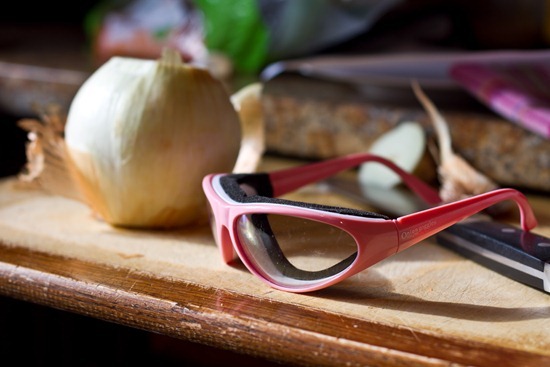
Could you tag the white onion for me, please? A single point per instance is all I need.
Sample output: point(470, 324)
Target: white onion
point(141, 135)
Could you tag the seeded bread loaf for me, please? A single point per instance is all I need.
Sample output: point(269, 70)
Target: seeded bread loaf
point(316, 119)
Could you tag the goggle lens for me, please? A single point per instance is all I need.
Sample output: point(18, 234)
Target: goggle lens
point(293, 251)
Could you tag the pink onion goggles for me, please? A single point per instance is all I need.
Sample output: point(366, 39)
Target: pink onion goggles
point(300, 247)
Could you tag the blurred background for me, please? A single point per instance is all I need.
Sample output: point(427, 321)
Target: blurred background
point(47, 49)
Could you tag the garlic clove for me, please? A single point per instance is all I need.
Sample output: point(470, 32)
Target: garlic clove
point(404, 145)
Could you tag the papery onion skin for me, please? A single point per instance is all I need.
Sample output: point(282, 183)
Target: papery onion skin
point(142, 134)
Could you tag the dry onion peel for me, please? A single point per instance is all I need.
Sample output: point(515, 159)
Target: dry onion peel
point(458, 178)
point(140, 136)
point(247, 102)
point(46, 167)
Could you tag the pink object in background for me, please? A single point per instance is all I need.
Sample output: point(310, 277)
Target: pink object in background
point(520, 92)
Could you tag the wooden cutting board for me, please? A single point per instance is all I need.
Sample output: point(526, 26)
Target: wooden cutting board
point(426, 288)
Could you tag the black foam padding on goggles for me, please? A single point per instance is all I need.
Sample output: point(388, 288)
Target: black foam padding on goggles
point(264, 194)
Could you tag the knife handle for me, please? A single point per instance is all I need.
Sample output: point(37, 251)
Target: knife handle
point(519, 255)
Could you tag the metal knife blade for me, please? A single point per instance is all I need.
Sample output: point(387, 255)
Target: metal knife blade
point(517, 254)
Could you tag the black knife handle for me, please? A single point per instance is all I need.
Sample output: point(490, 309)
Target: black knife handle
point(519, 255)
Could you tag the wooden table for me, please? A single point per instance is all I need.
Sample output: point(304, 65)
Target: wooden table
point(424, 307)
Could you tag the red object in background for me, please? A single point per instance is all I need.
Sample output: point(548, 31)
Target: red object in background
point(517, 91)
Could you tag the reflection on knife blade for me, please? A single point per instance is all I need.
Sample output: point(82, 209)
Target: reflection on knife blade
point(510, 251)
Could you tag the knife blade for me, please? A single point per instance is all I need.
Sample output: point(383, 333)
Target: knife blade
point(519, 255)
point(429, 69)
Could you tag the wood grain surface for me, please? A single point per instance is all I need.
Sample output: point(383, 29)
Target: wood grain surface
point(424, 306)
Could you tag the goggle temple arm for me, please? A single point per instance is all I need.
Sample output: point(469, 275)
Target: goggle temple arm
point(416, 227)
point(289, 179)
